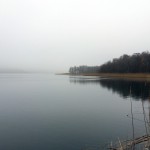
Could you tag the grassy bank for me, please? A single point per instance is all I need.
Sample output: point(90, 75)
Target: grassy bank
point(114, 75)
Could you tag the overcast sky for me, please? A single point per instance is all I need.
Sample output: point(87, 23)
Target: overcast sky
point(57, 34)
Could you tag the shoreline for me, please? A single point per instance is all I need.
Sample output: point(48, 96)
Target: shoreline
point(112, 75)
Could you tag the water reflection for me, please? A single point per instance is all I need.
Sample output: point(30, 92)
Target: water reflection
point(139, 89)
point(84, 80)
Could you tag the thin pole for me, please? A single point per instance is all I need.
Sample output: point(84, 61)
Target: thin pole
point(144, 118)
point(132, 121)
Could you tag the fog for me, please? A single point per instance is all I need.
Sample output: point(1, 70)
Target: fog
point(56, 34)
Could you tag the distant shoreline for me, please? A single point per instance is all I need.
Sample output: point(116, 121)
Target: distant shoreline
point(112, 75)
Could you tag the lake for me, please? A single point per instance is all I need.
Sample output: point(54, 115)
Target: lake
point(56, 112)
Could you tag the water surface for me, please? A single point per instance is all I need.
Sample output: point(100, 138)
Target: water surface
point(49, 112)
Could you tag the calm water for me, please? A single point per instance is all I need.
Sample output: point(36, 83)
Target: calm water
point(48, 112)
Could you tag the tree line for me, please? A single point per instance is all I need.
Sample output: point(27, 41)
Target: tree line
point(84, 69)
point(136, 63)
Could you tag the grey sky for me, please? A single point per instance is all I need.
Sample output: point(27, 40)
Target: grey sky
point(56, 34)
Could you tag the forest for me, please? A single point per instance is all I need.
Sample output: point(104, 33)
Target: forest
point(136, 63)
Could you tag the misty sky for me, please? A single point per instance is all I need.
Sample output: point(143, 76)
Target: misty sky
point(57, 34)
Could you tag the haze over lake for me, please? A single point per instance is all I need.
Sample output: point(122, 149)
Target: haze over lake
point(53, 35)
point(45, 111)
